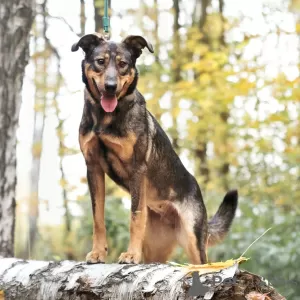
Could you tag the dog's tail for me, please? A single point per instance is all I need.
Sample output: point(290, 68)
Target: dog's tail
point(220, 223)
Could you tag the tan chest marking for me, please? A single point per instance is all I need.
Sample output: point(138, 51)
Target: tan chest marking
point(122, 147)
point(106, 120)
point(88, 142)
point(90, 148)
point(118, 166)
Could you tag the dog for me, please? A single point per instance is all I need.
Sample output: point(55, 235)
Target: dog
point(119, 137)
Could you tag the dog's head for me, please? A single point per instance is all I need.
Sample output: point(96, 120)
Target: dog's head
point(109, 68)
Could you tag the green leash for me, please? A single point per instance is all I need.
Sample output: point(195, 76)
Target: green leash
point(105, 20)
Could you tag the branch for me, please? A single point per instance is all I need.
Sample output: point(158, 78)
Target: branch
point(20, 279)
point(65, 22)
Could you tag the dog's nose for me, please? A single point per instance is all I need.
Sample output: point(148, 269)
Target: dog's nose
point(110, 87)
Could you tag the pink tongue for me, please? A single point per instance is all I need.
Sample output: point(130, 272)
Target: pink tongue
point(109, 103)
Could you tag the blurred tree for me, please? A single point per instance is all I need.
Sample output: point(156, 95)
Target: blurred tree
point(16, 20)
point(41, 61)
point(176, 66)
point(48, 82)
point(63, 151)
point(82, 17)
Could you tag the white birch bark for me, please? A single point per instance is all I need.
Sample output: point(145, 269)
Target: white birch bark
point(16, 17)
point(41, 280)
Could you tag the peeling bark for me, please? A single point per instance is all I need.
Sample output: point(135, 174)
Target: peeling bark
point(70, 280)
point(16, 17)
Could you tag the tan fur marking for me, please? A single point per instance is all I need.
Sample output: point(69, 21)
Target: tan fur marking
point(106, 55)
point(162, 225)
point(137, 231)
point(98, 77)
point(89, 146)
point(138, 226)
point(123, 147)
point(152, 195)
point(99, 250)
point(164, 208)
point(165, 235)
point(188, 241)
point(173, 194)
point(117, 165)
point(185, 233)
point(87, 143)
point(106, 120)
point(126, 82)
point(171, 223)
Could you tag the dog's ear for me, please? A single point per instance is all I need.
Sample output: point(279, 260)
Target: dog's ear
point(88, 42)
point(137, 43)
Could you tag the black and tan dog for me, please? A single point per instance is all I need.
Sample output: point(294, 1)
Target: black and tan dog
point(119, 137)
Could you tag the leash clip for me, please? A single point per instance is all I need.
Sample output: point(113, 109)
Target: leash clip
point(106, 35)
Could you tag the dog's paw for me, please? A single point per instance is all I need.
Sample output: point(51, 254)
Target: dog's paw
point(96, 257)
point(130, 258)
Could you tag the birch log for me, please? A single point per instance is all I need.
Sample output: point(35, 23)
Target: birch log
point(41, 280)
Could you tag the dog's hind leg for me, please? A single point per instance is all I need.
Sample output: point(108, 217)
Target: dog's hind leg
point(192, 232)
point(160, 239)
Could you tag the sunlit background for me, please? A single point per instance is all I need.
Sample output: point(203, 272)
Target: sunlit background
point(223, 82)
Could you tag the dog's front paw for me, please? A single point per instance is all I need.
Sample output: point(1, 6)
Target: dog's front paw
point(96, 257)
point(130, 258)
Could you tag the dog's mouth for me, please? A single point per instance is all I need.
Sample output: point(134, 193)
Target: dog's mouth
point(108, 101)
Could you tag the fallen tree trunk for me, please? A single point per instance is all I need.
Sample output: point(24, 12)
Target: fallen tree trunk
point(41, 280)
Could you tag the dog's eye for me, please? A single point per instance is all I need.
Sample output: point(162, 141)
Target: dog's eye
point(100, 61)
point(122, 64)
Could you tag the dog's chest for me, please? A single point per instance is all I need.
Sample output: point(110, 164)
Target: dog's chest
point(117, 154)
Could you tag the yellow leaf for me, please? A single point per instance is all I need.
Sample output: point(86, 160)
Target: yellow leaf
point(63, 183)
point(213, 267)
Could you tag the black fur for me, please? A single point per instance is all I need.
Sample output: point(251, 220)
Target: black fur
point(153, 155)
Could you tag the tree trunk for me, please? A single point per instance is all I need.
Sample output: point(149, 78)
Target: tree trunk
point(42, 280)
point(204, 5)
point(156, 38)
point(41, 61)
point(199, 17)
point(82, 17)
point(16, 19)
point(176, 70)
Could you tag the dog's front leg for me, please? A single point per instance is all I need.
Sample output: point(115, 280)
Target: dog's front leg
point(95, 177)
point(137, 222)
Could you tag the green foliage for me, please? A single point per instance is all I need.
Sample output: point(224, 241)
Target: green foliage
point(276, 255)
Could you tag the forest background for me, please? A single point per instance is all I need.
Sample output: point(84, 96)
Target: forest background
point(224, 84)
